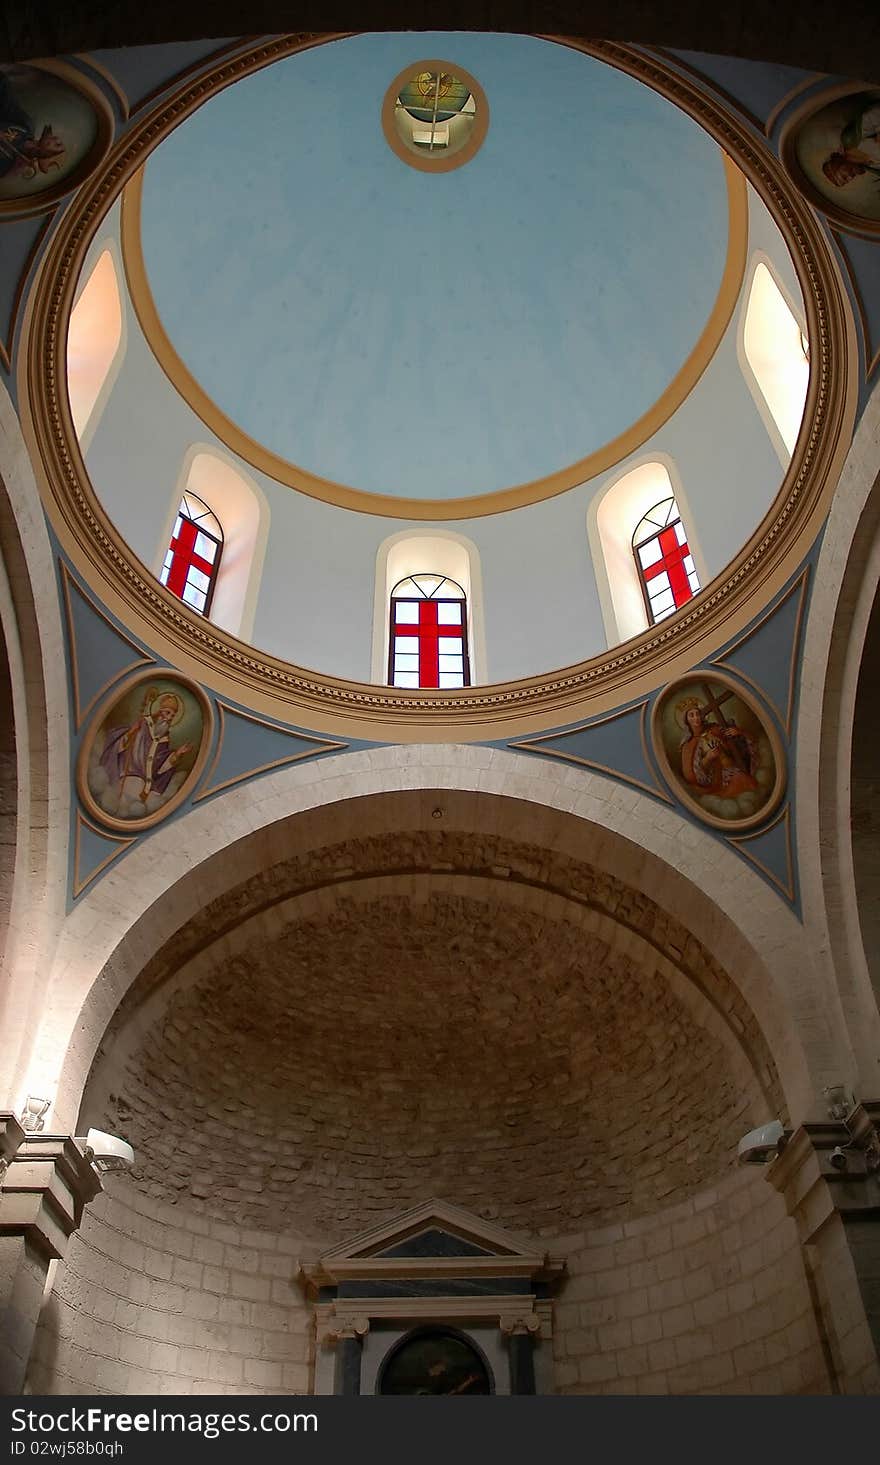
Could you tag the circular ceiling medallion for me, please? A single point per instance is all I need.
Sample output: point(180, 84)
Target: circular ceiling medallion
point(435, 116)
point(831, 148)
point(719, 751)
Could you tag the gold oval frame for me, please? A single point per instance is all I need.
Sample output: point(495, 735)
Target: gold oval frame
point(840, 217)
point(280, 689)
point(143, 678)
point(44, 202)
point(426, 162)
point(764, 718)
point(400, 506)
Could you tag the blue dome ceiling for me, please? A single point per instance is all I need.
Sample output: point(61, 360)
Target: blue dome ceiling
point(435, 335)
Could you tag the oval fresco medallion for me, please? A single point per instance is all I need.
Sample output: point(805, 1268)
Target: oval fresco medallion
point(144, 750)
point(718, 751)
point(53, 131)
point(834, 156)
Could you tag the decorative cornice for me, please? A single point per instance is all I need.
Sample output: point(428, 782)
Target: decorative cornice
point(280, 689)
point(832, 1165)
point(495, 1308)
point(48, 1183)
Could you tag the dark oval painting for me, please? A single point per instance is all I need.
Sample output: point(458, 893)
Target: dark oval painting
point(47, 129)
point(838, 152)
point(144, 751)
point(435, 1362)
point(718, 752)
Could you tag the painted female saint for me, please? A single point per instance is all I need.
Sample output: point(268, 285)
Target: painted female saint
point(717, 752)
point(838, 151)
point(145, 752)
point(47, 129)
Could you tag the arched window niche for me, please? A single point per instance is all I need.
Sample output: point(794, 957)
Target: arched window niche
point(773, 353)
point(95, 344)
point(241, 510)
point(441, 553)
point(615, 517)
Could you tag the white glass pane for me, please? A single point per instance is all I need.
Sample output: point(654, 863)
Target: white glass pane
point(406, 613)
point(451, 663)
point(450, 646)
point(690, 567)
point(680, 534)
point(163, 578)
point(193, 597)
point(405, 663)
point(662, 601)
point(406, 679)
point(205, 547)
point(650, 553)
point(660, 615)
point(427, 583)
point(198, 579)
point(451, 679)
point(178, 523)
point(449, 615)
point(693, 581)
point(658, 582)
point(439, 136)
point(451, 590)
point(673, 511)
point(406, 644)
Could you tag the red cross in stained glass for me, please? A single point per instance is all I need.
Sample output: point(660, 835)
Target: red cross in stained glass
point(183, 549)
point(429, 632)
point(672, 561)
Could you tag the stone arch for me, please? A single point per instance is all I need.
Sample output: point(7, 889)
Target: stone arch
point(119, 925)
point(31, 629)
point(510, 992)
point(845, 589)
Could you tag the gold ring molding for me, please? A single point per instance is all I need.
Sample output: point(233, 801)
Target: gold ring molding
point(435, 163)
point(722, 610)
point(393, 506)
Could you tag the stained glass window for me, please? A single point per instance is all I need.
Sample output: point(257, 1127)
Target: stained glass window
point(193, 557)
point(665, 564)
point(428, 645)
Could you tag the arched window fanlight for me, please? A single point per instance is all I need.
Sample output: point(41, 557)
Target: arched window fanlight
point(429, 637)
point(193, 557)
point(667, 573)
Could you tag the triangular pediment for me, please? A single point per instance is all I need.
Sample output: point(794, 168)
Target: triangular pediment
point(429, 1243)
point(434, 1229)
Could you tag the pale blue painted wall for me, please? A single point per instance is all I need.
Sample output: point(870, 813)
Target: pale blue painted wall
point(541, 604)
point(435, 335)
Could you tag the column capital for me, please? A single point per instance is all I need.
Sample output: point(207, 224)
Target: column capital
point(47, 1184)
point(524, 1325)
point(346, 1325)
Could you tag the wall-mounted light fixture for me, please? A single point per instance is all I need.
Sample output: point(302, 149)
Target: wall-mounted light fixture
point(33, 1116)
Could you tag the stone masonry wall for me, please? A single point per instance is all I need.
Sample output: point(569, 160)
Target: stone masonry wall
point(707, 1297)
point(150, 1300)
point(8, 795)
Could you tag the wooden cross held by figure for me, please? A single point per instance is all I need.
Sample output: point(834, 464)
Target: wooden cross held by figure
point(713, 704)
